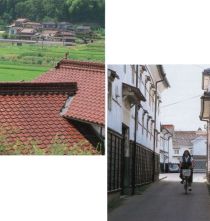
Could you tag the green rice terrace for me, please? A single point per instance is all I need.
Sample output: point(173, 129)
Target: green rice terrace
point(26, 62)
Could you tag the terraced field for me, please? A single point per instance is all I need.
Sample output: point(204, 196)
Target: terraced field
point(28, 61)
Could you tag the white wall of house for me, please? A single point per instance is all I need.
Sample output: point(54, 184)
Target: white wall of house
point(166, 148)
point(177, 153)
point(199, 146)
point(119, 113)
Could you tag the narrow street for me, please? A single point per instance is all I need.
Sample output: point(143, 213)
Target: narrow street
point(166, 201)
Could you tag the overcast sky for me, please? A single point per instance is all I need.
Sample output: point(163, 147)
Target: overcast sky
point(185, 81)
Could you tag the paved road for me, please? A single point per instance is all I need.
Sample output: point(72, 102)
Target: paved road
point(166, 201)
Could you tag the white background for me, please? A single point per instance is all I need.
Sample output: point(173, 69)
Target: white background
point(74, 188)
point(158, 32)
point(52, 188)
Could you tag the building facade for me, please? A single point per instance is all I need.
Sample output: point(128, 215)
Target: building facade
point(199, 151)
point(194, 141)
point(205, 112)
point(166, 144)
point(134, 97)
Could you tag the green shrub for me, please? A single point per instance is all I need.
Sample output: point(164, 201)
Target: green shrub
point(32, 147)
point(39, 62)
point(5, 35)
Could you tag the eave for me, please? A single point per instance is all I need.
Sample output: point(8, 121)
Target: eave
point(133, 94)
point(205, 110)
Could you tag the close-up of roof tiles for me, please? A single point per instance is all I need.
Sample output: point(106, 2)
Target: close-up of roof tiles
point(89, 103)
point(60, 104)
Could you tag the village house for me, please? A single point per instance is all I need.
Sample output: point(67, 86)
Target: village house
point(26, 34)
point(48, 35)
point(61, 26)
point(58, 104)
point(67, 37)
point(65, 32)
point(65, 26)
point(199, 151)
point(13, 30)
point(20, 22)
point(194, 141)
point(83, 30)
point(134, 97)
point(49, 25)
point(23, 28)
point(34, 25)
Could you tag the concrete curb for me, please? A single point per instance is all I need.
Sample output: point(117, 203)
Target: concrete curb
point(162, 178)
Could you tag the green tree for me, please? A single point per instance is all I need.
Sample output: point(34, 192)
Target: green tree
point(70, 10)
point(89, 10)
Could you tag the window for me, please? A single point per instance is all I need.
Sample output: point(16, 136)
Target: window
point(110, 95)
point(176, 151)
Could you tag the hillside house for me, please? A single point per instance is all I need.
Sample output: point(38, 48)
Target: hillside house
point(34, 25)
point(26, 34)
point(83, 30)
point(64, 32)
point(13, 30)
point(65, 26)
point(66, 37)
point(23, 28)
point(49, 25)
point(20, 22)
point(48, 35)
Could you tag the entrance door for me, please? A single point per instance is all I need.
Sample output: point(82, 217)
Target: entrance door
point(125, 177)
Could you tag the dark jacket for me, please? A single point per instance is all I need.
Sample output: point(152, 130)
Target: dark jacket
point(186, 164)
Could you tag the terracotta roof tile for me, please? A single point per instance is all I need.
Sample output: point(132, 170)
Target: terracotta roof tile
point(32, 111)
point(89, 103)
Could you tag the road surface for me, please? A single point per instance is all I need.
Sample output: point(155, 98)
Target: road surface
point(166, 201)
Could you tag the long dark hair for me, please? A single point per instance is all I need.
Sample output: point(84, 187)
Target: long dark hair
point(187, 152)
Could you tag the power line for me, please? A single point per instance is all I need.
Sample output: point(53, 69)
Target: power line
point(180, 101)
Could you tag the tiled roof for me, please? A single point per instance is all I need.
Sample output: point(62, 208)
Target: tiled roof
point(27, 30)
point(183, 138)
point(33, 111)
point(89, 103)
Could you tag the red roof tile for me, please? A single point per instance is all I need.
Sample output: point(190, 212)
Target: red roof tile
point(32, 111)
point(89, 103)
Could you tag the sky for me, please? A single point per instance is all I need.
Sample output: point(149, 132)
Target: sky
point(186, 82)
